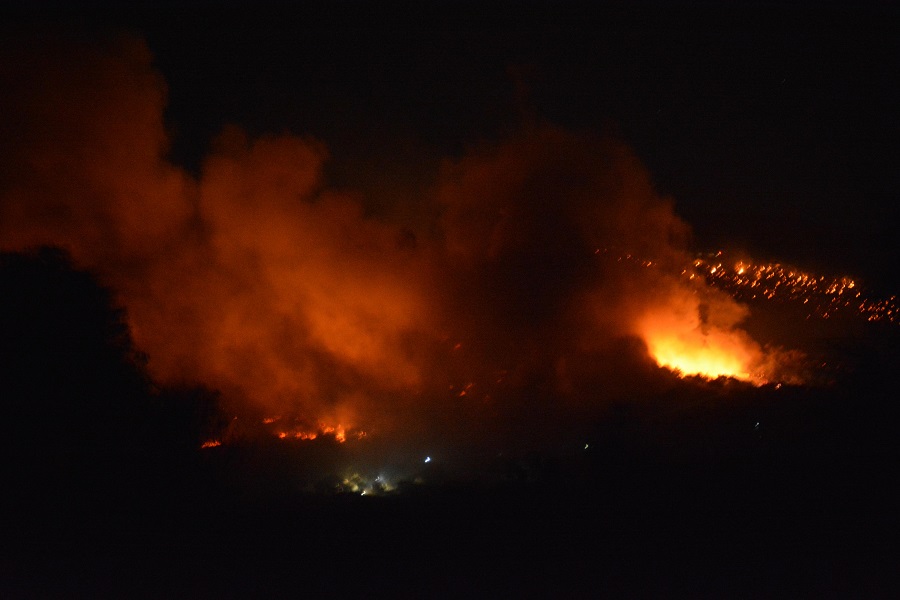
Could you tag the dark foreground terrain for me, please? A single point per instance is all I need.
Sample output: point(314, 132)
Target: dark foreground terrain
point(802, 506)
point(646, 530)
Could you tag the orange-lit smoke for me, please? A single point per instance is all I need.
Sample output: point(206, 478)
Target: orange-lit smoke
point(678, 338)
point(252, 278)
point(258, 279)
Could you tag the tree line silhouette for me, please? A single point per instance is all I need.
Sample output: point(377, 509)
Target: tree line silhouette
point(83, 424)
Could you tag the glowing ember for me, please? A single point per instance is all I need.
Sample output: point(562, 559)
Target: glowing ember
point(748, 281)
point(211, 444)
point(339, 432)
point(822, 296)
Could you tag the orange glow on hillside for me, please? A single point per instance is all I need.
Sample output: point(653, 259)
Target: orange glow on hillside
point(259, 279)
point(339, 432)
point(679, 339)
point(702, 356)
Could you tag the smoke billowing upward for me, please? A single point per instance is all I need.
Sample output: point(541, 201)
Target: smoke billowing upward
point(257, 278)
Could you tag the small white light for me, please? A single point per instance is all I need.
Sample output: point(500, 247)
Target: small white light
point(428, 459)
point(586, 446)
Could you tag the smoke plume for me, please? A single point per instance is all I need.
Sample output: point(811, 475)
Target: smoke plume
point(258, 278)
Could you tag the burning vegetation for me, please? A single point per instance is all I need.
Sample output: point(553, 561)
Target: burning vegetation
point(491, 313)
point(822, 296)
point(393, 329)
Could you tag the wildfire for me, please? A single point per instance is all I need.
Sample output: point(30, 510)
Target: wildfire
point(339, 432)
point(747, 281)
point(705, 358)
point(679, 340)
point(822, 296)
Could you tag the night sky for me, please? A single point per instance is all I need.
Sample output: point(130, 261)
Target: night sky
point(774, 128)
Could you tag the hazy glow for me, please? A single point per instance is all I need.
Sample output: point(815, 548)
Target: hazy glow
point(257, 278)
point(699, 354)
point(679, 340)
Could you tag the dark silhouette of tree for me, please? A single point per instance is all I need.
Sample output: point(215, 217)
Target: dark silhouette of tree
point(81, 421)
point(72, 382)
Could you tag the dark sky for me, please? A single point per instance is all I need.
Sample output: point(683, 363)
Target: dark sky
point(774, 128)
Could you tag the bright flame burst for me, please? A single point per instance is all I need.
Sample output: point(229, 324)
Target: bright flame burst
point(706, 357)
point(678, 340)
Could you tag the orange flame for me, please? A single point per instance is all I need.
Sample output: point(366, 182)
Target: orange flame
point(339, 432)
point(678, 339)
point(702, 355)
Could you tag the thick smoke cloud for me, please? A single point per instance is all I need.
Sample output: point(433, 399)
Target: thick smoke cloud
point(523, 223)
point(82, 145)
point(259, 280)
